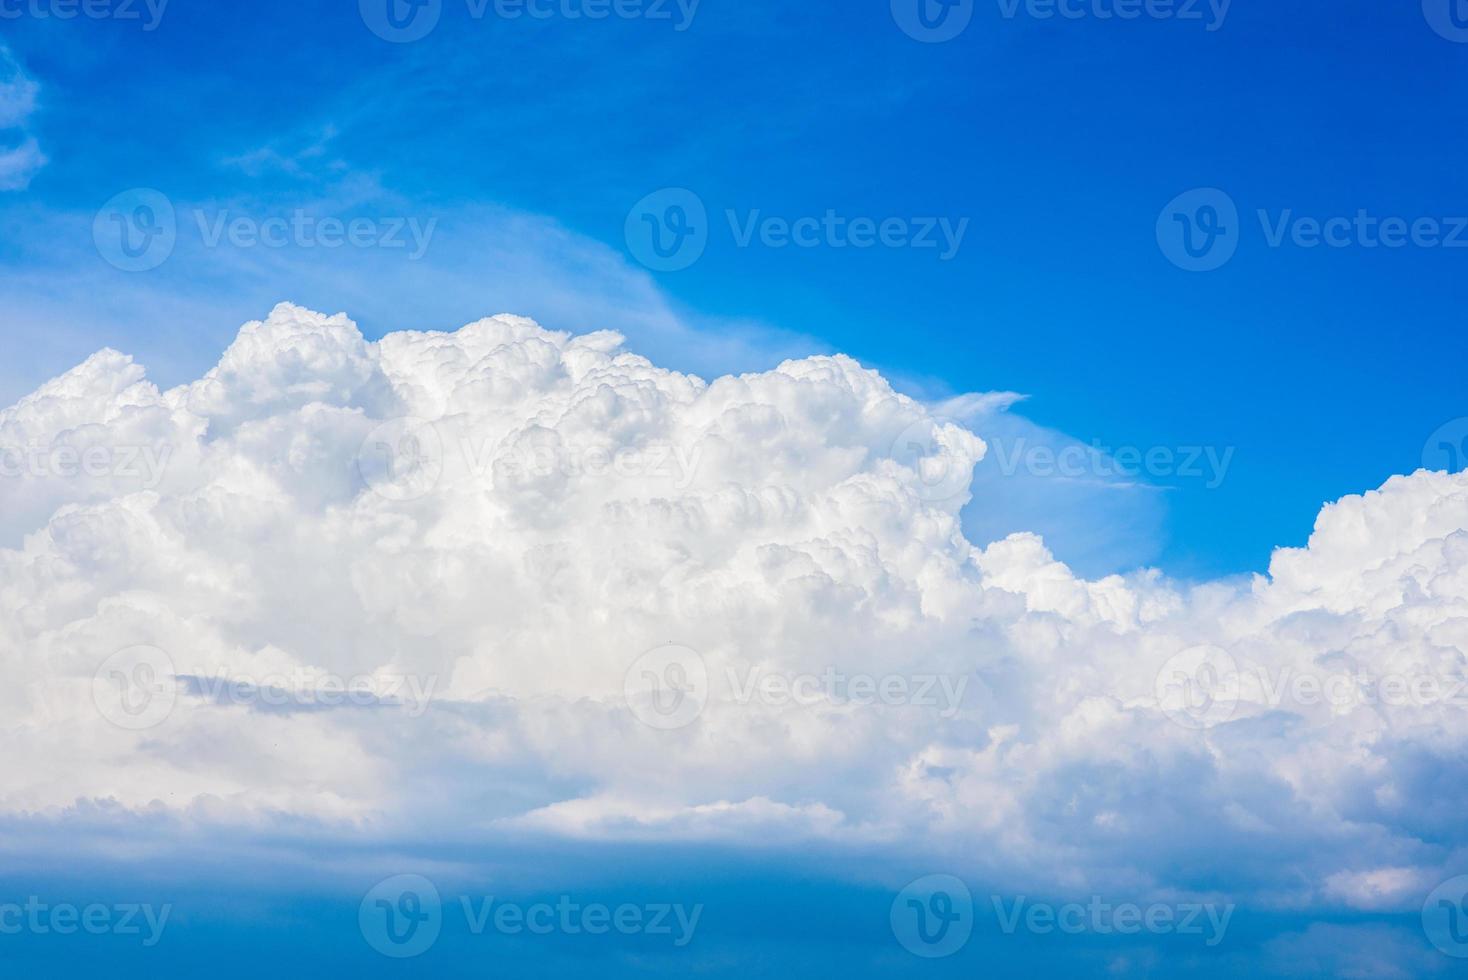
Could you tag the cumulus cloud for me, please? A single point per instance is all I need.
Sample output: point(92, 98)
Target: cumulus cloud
point(493, 535)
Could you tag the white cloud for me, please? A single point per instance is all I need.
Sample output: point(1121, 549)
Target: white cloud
point(20, 154)
point(775, 523)
point(17, 91)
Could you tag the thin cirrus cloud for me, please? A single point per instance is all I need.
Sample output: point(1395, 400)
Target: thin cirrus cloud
point(476, 257)
point(574, 506)
point(20, 152)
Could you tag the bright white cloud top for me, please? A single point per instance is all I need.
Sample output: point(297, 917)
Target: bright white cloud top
point(489, 529)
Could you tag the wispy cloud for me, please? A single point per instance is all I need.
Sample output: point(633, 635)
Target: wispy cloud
point(298, 156)
point(20, 153)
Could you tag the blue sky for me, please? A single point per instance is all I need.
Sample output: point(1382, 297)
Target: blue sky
point(1047, 182)
point(1059, 140)
point(781, 915)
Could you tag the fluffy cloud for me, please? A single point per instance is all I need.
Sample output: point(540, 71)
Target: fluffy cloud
point(484, 533)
